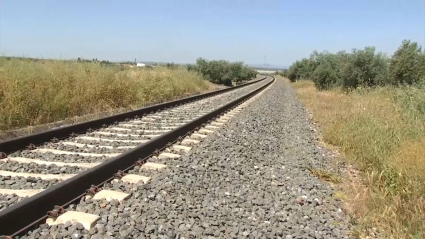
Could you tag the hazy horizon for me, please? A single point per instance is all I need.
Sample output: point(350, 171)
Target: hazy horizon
point(181, 31)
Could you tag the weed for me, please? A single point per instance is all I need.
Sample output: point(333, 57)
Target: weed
point(325, 175)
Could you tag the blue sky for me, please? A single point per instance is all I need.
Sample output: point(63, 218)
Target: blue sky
point(182, 30)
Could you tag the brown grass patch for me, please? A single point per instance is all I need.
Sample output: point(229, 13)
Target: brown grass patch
point(382, 132)
point(39, 92)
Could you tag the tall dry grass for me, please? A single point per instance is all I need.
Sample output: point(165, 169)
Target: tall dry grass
point(37, 92)
point(382, 132)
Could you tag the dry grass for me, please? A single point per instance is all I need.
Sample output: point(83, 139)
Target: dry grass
point(382, 132)
point(325, 175)
point(33, 93)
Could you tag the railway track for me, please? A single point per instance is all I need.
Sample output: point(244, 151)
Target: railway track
point(55, 170)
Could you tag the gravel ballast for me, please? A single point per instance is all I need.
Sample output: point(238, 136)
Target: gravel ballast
point(38, 169)
point(26, 183)
point(19, 183)
point(8, 200)
point(170, 117)
point(248, 180)
point(95, 150)
point(47, 156)
point(180, 114)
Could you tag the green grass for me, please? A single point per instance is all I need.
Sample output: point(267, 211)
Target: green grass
point(38, 92)
point(382, 132)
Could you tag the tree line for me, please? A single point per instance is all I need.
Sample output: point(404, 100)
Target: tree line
point(79, 59)
point(361, 68)
point(223, 72)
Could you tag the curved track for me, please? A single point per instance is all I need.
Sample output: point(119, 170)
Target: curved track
point(52, 171)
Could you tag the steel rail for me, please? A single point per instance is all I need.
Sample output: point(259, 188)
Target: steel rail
point(20, 143)
point(24, 215)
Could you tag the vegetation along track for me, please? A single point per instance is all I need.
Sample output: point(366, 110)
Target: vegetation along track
point(51, 170)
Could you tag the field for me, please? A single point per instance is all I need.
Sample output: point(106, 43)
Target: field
point(39, 92)
point(381, 131)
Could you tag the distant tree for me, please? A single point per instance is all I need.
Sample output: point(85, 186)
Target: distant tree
point(407, 65)
point(300, 70)
point(171, 65)
point(105, 62)
point(191, 67)
point(362, 68)
point(223, 72)
point(284, 73)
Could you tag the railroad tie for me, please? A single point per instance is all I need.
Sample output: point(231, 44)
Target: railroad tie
point(181, 148)
point(35, 175)
point(121, 135)
point(110, 195)
point(224, 118)
point(20, 192)
point(139, 130)
point(152, 166)
point(112, 140)
point(211, 127)
point(87, 220)
point(42, 162)
point(188, 141)
point(141, 125)
point(216, 123)
point(55, 151)
point(94, 146)
point(134, 179)
point(205, 131)
point(198, 136)
point(229, 115)
point(168, 155)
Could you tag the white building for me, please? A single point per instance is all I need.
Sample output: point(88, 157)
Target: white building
point(141, 64)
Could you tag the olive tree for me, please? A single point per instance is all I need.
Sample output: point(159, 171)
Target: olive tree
point(407, 65)
point(364, 68)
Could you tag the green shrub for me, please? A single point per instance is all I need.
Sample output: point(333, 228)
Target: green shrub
point(361, 68)
point(226, 80)
point(326, 72)
point(300, 70)
point(407, 65)
point(284, 73)
point(223, 72)
point(325, 77)
point(171, 66)
point(365, 68)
